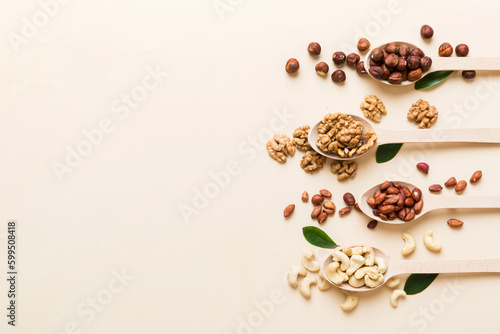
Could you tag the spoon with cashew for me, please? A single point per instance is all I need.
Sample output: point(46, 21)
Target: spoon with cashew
point(370, 277)
point(385, 136)
point(441, 64)
point(428, 202)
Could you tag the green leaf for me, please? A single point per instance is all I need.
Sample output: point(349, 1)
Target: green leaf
point(432, 79)
point(318, 237)
point(386, 152)
point(417, 283)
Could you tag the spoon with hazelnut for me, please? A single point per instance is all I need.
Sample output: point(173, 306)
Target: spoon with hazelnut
point(386, 267)
point(401, 63)
point(386, 136)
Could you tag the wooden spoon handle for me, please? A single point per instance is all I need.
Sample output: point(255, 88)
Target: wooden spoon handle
point(465, 63)
point(444, 266)
point(486, 135)
point(434, 202)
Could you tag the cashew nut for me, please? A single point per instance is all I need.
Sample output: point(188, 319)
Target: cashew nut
point(374, 282)
point(324, 285)
point(410, 244)
point(430, 243)
point(342, 258)
point(363, 271)
point(293, 275)
point(381, 264)
point(351, 300)
point(395, 295)
point(349, 251)
point(309, 261)
point(355, 263)
point(356, 283)
point(369, 255)
point(331, 272)
point(305, 286)
point(393, 282)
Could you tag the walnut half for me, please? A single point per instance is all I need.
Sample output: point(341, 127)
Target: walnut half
point(373, 108)
point(422, 113)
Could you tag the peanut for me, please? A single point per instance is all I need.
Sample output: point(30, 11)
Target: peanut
point(455, 222)
point(329, 205)
point(329, 211)
point(305, 197)
point(344, 211)
point(386, 209)
point(423, 167)
point(349, 199)
point(325, 193)
point(317, 199)
point(461, 185)
point(451, 182)
point(435, 188)
point(385, 185)
point(316, 211)
point(416, 194)
point(476, 176)
point(288, 210)
point(418, 207)
point(372, 224)
point(322, 217)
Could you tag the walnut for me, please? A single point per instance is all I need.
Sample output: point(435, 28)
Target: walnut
point(368, 140)
point(423, 114)
point(300, 138)
point(373, 108)
point(279, 147)
point(339, 133)
point(312, 161)
point(344, 169)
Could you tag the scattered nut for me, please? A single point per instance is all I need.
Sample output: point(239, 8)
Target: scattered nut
point(363, 44)
point(288, 210)
point(323, 216)
point(322, 68)
point(305, 286)
point(455, 222)
point(351, 299)
point(410, 244)
point(338, 76)
point(293, 275)
point(445, 50)
point(476, 176)
point(393, 282)
point(469, 74)
point(451, 182)
point(292, 65)
point(423, 167)
point(360, 68)
point(395, 295)
point(325, 193)
point(279, 147)
point(435, 188)
point(352, 59)
point(329, 211)
point(314, 48)
point(423, 114)
point(344, 211)
point(300, 138)
point(462, 50)
point(339, 58)
point(309, 261)
point(305, 196)
point(373, 108)
point(316, 211)
point(461, 185)
point(426, 31)
point(329, 205)
point(312, 161)
point(372, 224)
point(344, 169)
point(317, 199)
point(430, 243)
point(349, 199)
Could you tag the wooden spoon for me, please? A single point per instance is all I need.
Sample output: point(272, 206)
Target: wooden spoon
point(397, 267)
point(385, 136)
point(445, 64)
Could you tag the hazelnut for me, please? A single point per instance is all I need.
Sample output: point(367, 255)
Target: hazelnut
point(392, 47)
point(322, 68)
point(469, 74)
point(404, 50)
point(415, 75)
point(386, 70)
point(352, 59)
point(392, 60)
point(395, 78)
point(314, 48)
point(385, 55)
point(376, 72)
point(425, 63)
point(338, 76)
point(413, 62)
point(375, 63)
point(462, 50)
point(292, 65)
point(338, 58)
point(360, 68)
point(401, 66)
point(363, 44)
point(377, 54)
point(405, 75)
point(417, 52)
point(426, 31)
point(445, 50)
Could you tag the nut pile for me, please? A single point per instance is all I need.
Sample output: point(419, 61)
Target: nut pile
point(358, 266)
point(398, 62)
point(344, 169)
point(393, 201)
point(340, 134)
point(373, 108)
point(279, 147)
point(422, 113)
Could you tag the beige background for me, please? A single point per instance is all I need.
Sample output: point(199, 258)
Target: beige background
point(220, 89)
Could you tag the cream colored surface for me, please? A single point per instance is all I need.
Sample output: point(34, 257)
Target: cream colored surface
point(208, 90)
